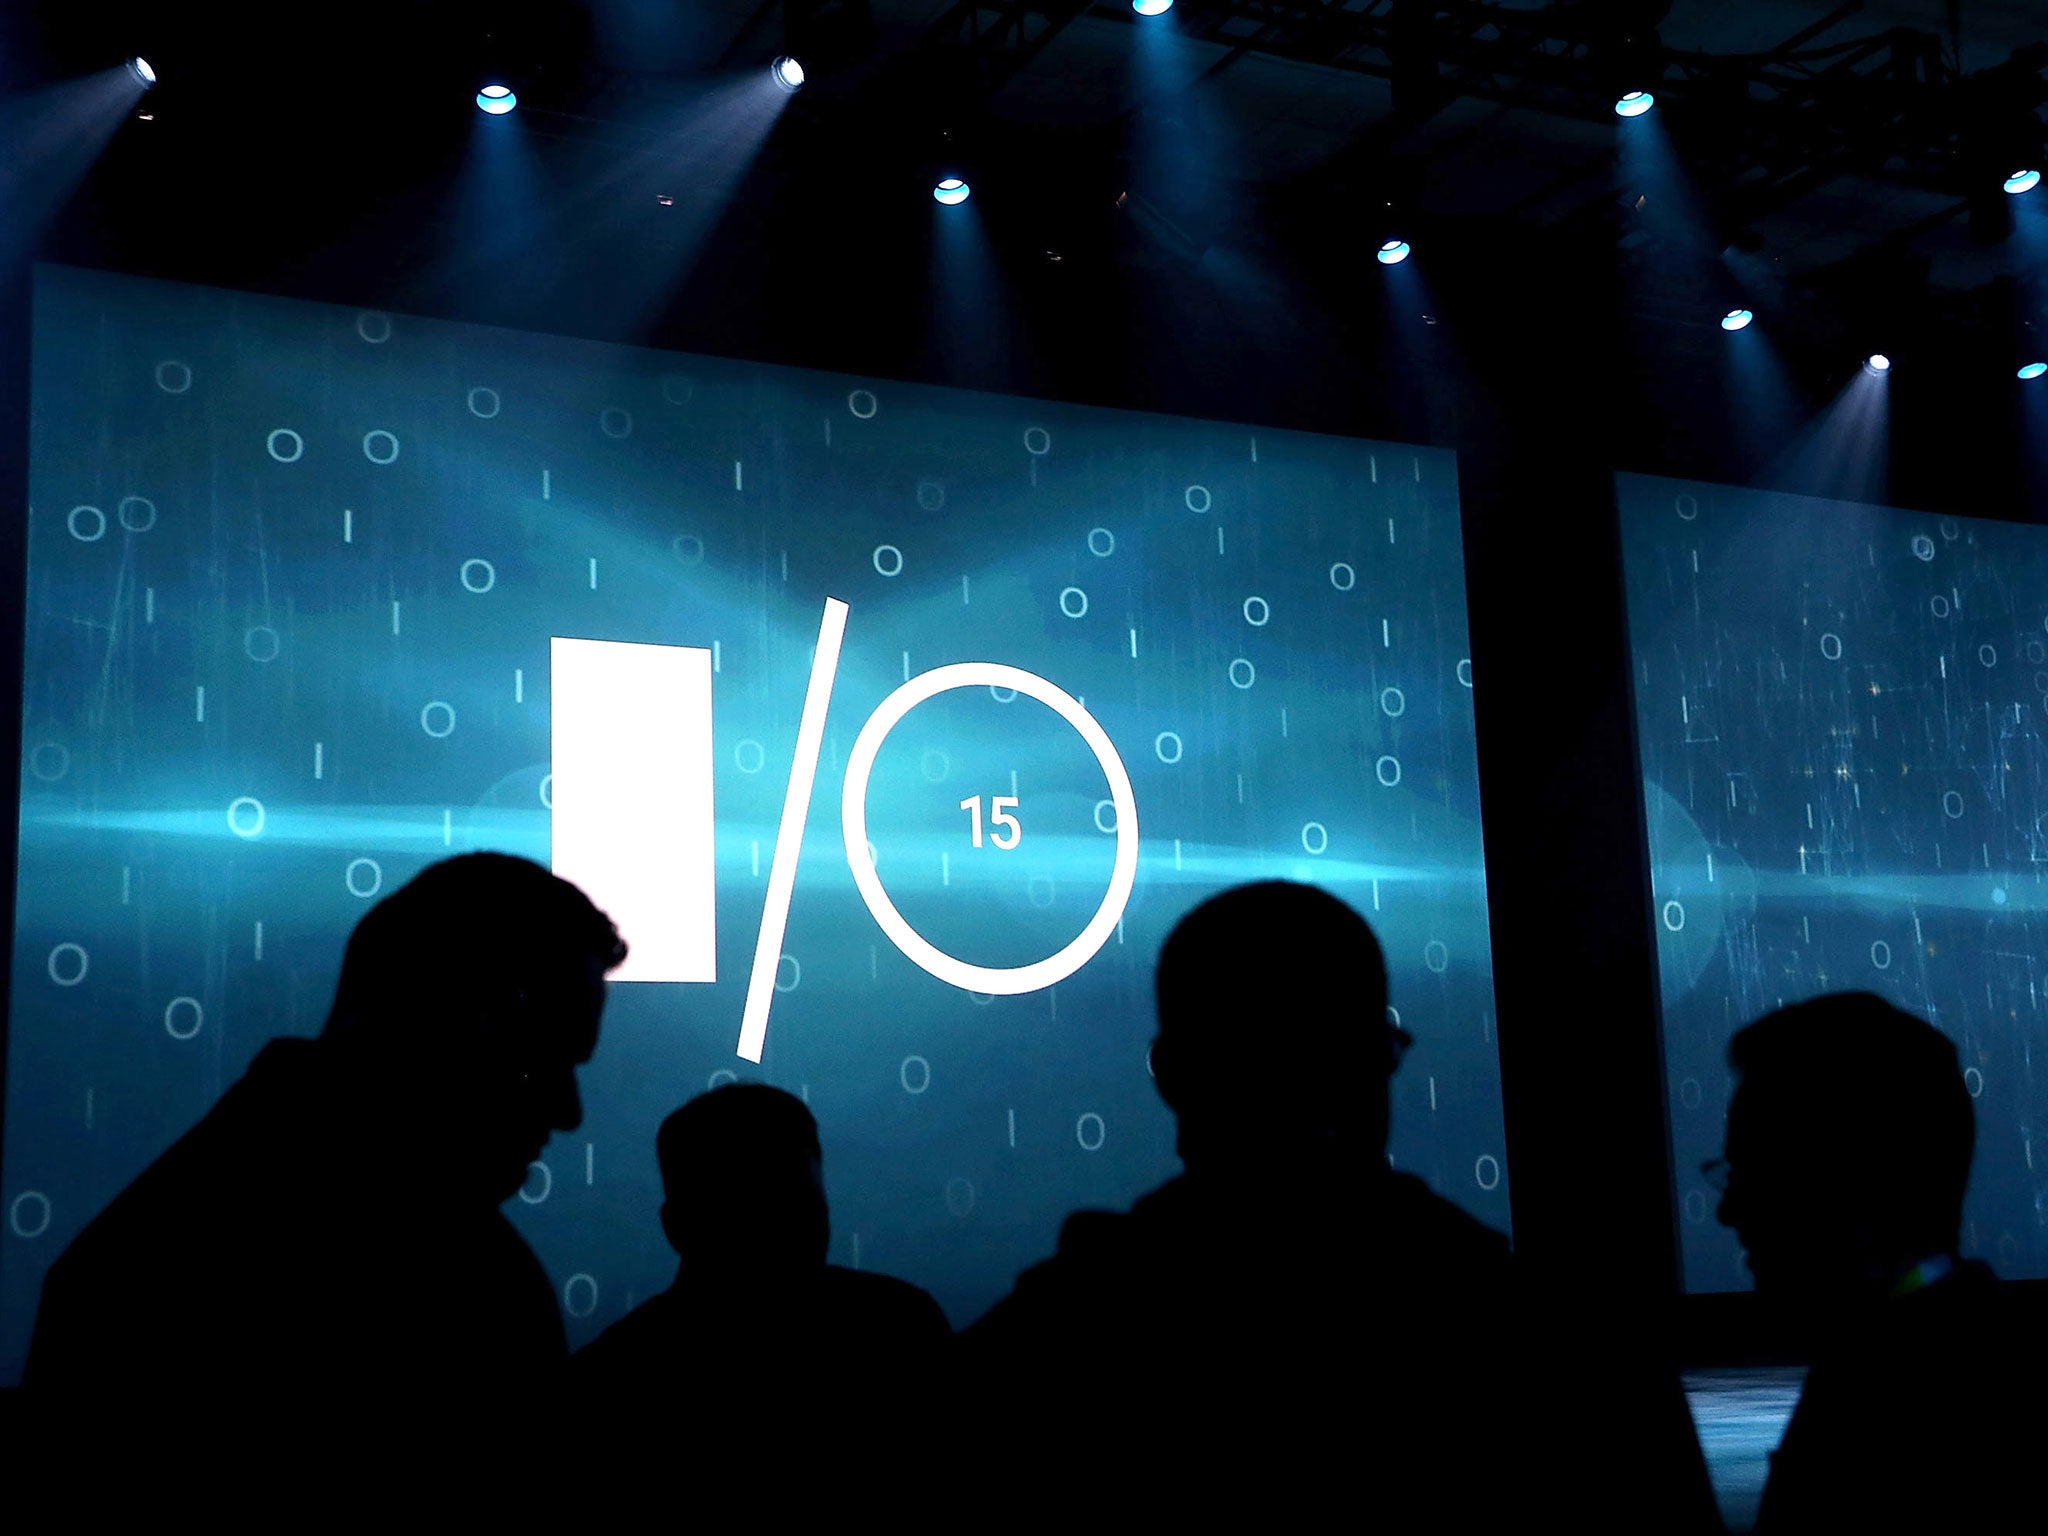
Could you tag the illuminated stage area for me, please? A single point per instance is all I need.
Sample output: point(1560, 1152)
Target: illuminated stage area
point(1106, 720)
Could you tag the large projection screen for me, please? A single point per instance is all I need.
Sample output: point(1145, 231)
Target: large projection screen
point(1840, 713)
point(318, 596)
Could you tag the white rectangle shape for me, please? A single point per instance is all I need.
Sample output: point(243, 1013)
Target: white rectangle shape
point(633, 827)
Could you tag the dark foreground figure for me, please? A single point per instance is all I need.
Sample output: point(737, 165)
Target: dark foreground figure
point(323, 1253)
point(761, 1354)
point(1848, 1151)
point(1290, 1328)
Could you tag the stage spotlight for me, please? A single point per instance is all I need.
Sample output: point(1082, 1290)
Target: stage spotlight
point(788, 73)
point(2034, 370)
point(1392, 252)
point(2022, 181)
point(496, 99)
point(1151, 7)
point(1736, 319)
point(1877, 362)
point(140, 68)
point(950, 191)
point(1634, 104)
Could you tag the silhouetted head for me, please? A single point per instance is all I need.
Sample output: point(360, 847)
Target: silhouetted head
point(744, 1184)
point(1849, 1141)
point(469, 996)
point(1273, 1035)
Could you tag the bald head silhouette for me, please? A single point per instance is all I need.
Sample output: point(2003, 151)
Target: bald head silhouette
point(1273, 1038)
point(1848, 1146)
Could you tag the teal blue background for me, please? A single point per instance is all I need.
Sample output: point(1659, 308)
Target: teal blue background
point(127, 852)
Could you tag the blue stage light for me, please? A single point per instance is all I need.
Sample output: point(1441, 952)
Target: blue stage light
point(1151, 7)
point(2034, 370)
point(1877, 362)
point(1634, 104)
point(1393, 251)
point(140, 68)
point(950, 191)
point(2022, 181)
point(496, 99)
point(788, 73)
point(1736, 319)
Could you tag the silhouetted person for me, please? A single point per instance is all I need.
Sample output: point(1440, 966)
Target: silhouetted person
point(1290, 1327)
point(733, 1360)
point(324, 1250)
point(1848, 1150)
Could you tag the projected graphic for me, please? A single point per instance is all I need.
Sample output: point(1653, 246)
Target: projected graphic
point(895, 726)
point(1840, 711)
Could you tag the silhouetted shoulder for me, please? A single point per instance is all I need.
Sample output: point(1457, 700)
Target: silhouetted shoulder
point(904, 1312)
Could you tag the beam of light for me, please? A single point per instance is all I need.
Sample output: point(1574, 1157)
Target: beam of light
point(1736, 319)
point(142, 70)
point(1392, 253)
point(1634, 104)
point(970, 324)
point(2033, 370)
point(496, 99)
point(52, 137)
point(789, 837)
point(951, 191)
point(1844, 454)
point(2022, 181)
point(788, 73)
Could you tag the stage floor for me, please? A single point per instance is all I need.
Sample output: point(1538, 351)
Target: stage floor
point(1741, 1417)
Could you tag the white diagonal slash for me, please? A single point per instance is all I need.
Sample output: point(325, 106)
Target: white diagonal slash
point(789, 837)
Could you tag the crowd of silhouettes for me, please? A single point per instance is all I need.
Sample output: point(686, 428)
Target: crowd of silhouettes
point(1288, 1330)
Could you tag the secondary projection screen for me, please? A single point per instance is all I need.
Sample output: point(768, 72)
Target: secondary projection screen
point(1840, 713)
point(311, 602)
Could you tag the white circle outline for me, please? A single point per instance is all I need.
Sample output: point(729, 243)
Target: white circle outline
point(604, 418)
point(1044, 441)
point(1159, 747)
point(938, 492)
point(249, 643)
point(1188, 499)
point(1350, 577)
point(35, 758)
point(270, 446)
point(1398, 707)
point(1978, 1091)
point(903, 1074)
point(71, 524)
point(1265, 612)
point(547, 1187)
point(569, 1285)
point(374, 314)
point(1002, 981)
point(1101, 554)
point(1480, 1178)
point(121, 512)
point(172, 362)
point(1101, 1131)
point(1923, 547)
point(490, 575)
point(795, 980)
point(348, 878)
point(1251, 673)
point(1321, 831)
point(84, 963)
point(876, 560)
point(389, 437)
point(1068, 611)
point(428, 708)
point(1836, 653)
point(874, 405)
point(1674, 910)
point(14, 1214)
point(497, 402)
point(198, 1018)
point(236, 827)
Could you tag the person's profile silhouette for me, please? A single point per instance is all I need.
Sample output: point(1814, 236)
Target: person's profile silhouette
point(1847, 1157)
point(325, 1245)
point(1290, 1322)
point(755, 1310)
